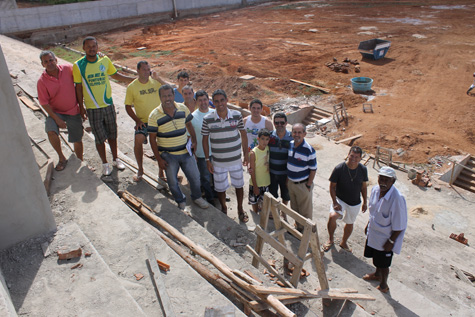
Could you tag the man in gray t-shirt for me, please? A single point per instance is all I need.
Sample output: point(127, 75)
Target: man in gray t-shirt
point(348, 182)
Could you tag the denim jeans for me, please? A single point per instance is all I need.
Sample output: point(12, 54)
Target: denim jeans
point(205, 178)
point(189, 167)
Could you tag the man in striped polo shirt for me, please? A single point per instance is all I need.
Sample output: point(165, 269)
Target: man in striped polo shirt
point(279, 145)
point(224, 129)
point(167, 126)
point(302, 167)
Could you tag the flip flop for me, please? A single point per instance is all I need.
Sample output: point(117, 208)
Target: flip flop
point(346, 249)
point(137, 178)
point(327, 246)
point(61, 165)
point(383, 290)
point(371, 277)
point(243, 217)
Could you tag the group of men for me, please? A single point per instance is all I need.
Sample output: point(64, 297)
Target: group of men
point(211, 145)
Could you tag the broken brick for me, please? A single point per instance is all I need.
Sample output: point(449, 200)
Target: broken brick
point(138, 276)
point(79, 265)
point(69, 254)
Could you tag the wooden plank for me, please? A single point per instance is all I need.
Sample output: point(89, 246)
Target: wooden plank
point(354, 137)
point(284, 299)
point(303, 248)
point(461, 275)
point(329, 293)
point(263, 223)
point(282, 249)
point(310, 85)
point(159, 284)
point(268, 266)
point(248, 272)
point(48, 176)
point(30, 104)
point(317, 259)
point(246, 278)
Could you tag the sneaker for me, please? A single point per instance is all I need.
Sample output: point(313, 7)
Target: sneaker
point(182, 205)
point(118, 163)
point(203, 204)
point(106, 169)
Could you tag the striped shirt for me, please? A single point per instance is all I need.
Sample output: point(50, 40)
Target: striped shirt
point(171, 131)
point(279, 151)
point(301, 161)
point(224, 136)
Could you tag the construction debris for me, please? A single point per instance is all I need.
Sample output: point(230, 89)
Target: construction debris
point(69, 254)
point(77, 266)
point(344, 67)
point(459, 238)
point(138, 276)
point(422, 179)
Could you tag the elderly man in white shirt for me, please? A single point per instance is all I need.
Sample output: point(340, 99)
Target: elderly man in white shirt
point(386, 226)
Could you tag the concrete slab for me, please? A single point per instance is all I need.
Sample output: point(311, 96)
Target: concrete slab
point(87, 290)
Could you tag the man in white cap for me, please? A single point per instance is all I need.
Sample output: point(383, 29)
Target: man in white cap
point(386, 226)
point(472, 86)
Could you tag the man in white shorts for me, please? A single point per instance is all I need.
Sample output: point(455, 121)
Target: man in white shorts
point(224, 131)
point(347, 182)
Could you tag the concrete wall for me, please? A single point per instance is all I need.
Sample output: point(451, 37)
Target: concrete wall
point(299, 115)
point(457, 169)
point(6, 306)
point(25, 210)
point(7, 5)
point(29, 19)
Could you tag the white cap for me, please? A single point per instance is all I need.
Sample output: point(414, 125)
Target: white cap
point(388, 172)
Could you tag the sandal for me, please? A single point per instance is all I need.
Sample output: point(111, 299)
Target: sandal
point(61, 165)
point(371, 277)
point(327, 246)
point(243, 217)
point(383, 290)
point(346, 249)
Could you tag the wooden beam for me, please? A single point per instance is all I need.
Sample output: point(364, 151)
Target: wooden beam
point(159, 284)
point(263, 261)
point(349, 139)
point(30, 104)
point(328, 293)
point(221, 266)
point(282, 249)
point(325, 90)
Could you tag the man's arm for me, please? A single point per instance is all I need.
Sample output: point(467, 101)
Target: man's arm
point(252, 171)
point(158, 78)
point(191, 131)
point(244, 147)
point(311, 176)
point(206, 151)
point(80, 99)
point(388, 246)
point(138, 123)
point(153, 144)
point(60, 122)
point(364, 193)
point(336, 205)
point(123, 78)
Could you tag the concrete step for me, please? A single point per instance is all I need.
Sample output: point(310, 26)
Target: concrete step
point(42, 285)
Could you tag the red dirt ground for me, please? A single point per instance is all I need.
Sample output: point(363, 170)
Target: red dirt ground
point(419, 87)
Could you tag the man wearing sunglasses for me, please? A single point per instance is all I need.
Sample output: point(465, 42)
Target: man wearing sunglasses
point(279, 144)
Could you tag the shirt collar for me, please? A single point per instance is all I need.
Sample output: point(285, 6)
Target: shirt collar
point(387, 196)
point(228, 115)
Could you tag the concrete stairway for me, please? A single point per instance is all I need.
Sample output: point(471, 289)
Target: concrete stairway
point(466, 178)
point(315, 115)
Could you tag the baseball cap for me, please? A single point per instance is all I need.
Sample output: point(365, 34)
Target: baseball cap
point(388, 172)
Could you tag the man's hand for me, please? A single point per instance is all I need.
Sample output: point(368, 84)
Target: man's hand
point(256, 190)
point(139, 125)
point(162, 163)
point(194, 146)
point(364, 207)
point(388, 246)
point(83, 113)
point(210, 167)
point(336, 206)
point(61, 124)
point(245, 161)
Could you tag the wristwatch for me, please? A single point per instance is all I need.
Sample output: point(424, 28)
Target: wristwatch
point(308, 186)
point(391, 241)
point(207, 159)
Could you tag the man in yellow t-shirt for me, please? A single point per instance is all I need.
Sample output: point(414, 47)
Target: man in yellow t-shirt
point(142, 94)
point(91, 76)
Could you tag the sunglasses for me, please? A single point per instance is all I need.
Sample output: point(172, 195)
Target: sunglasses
point(279, 122)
